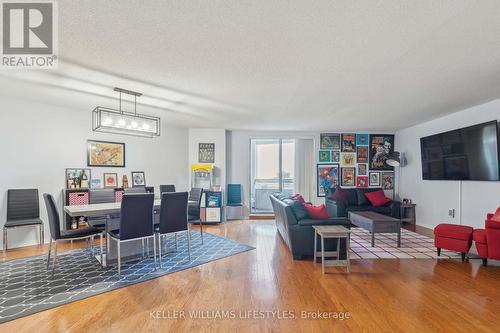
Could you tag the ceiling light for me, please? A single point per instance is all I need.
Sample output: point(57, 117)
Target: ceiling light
point(122, 122)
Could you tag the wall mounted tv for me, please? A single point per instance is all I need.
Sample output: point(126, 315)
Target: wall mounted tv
point(469, 153)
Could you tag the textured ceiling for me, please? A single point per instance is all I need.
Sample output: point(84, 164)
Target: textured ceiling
point(290, 65)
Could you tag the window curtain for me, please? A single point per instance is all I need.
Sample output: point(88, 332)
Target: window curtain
point(304, 171)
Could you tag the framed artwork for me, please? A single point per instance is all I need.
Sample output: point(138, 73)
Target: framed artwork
point(381, 146)
point(348, 159)
point(324, 156)
point(95, 183)
point(105, 154)
point(348, 177)
point(110, 180)
point(349, 142)
point(388, 180)
point(329, 141)
point(362, 169)
point(335, 156)
point(362, 154)
point(78, 178)
point(362, 181)
point(206, 152)
point(328, 178)
point(362, 139)
point(138, 179)
point(374, 179)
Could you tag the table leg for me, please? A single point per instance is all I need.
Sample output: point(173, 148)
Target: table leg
point(322, 255)
point(315, 245)
point(373, 238)
point(338, 250)
point(348, 250)
point(399, 237)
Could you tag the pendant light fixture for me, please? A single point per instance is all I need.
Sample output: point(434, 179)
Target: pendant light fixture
point(122, 122)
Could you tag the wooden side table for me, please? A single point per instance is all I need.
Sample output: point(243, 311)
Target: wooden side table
point(408, 213)
point(331, 231)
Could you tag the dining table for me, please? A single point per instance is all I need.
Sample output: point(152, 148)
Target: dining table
point(110, 213)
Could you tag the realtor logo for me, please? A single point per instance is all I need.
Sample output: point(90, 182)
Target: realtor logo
point(29, 34)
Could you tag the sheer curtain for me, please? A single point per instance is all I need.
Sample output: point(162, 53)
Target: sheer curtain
point(304, 168)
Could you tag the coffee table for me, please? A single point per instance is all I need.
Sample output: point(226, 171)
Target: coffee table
point(376, 223)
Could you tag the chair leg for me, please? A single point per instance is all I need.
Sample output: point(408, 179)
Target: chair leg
point(463, 256)
point(55, 259)
point(48, 255)
point(154, 249)
point(189, 244)
point(485, 262)
point(439, 251)
point(159, 247)
point(119, 258)
point(201, 231)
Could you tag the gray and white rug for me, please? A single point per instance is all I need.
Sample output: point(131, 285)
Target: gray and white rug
point(27, 287)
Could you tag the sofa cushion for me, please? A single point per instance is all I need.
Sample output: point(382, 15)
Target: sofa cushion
point(352, 197)
point(340, 195)
point(453, 231)
point(299, 210)
point(362, 199)
point(330, 221)
point(317, 212)
point(378, 198)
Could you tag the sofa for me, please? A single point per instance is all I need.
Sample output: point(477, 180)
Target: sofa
point(297, 231)
point(488, 239)
point(357, 201)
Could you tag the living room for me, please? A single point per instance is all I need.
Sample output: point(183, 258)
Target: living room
point(268, 166)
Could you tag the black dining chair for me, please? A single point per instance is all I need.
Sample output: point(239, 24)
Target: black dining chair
point(23, 210)
point(167, 189)
point(136, 222)
point(132, 190)
point(173, 218)
point(99, 196)
point(195, 196)
point(57, 235)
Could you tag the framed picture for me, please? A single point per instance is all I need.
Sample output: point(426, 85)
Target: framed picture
point(388, 180)
point(324, 156)
point(348, 159)
point(110, 180)
point(105, 154)
point(78, 178)
point(362, 154)
point(348, 177)
point(362, 169)
point(206, 152)
point(381, 146)
point(362, 181)
point(95, 183)
point(327, 178)
point(335, 156)
point(329, 141)
point(349, 142)
point(362, 139)
point(374, 179)
point(138, 179)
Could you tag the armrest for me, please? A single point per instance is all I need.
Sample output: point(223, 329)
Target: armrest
point(336, 208)
point(395, 207)
point(490, 224)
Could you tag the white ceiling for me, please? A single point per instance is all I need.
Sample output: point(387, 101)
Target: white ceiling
point(288, 65)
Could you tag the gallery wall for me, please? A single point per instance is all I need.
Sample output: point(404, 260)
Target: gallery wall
point(40, 139)
point(471, 200)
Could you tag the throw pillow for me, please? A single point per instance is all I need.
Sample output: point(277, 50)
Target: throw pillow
point(340, 195)
point(317, 212)
point(378, 198)
point(361, 193)
point(299, 198)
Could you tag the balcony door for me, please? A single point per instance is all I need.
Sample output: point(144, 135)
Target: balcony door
point(272, 170)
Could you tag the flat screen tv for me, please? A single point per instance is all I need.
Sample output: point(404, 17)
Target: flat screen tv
point(469, 153)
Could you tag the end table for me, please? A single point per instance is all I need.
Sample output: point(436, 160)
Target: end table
point(408, 213)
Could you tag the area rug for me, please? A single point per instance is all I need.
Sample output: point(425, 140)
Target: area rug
point(27, 287)
point(413, 246)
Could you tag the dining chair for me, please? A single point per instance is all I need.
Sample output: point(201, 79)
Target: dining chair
point(99, 196)
point(234, 197)
point(136, 222)
point(132, 190)
point(23, 210)
point(173, 218)
point(195, 196)
point(167, 189)
point(57, 235)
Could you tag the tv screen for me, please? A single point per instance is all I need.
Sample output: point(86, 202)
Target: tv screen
point(469, 153)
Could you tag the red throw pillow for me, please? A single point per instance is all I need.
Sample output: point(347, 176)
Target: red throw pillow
point(298, 198)
point(378, 198)
point(317, 212)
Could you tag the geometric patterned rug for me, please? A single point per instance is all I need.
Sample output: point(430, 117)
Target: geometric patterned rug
point(27, 287)
point(413, 246)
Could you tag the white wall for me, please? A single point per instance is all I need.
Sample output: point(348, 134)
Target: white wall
point(434, 198)
point(209, 135)
point(39, 140)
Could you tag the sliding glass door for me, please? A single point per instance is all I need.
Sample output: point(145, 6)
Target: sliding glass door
point(272, 170)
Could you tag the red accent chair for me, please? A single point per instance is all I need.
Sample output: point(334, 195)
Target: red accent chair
point(488, 240)
point(453, 237)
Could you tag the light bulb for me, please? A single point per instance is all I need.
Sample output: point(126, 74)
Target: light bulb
point(134, 124)
point(121, 122)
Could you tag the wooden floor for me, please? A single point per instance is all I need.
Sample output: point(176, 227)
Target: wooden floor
point(380, 295)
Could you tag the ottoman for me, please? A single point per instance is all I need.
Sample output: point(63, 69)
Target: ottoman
point(479, 237)
point(453, 237)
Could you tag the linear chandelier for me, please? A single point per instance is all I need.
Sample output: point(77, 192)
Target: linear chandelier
point(121, 122)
